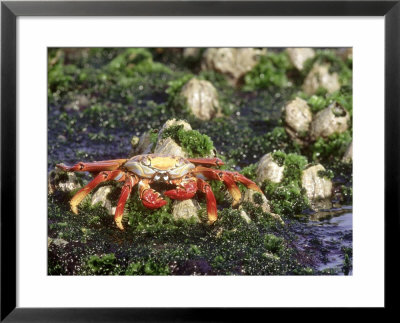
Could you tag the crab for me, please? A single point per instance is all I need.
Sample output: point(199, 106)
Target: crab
point(186, 176)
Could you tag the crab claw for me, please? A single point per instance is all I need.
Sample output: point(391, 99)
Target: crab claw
point(152, 200)
point(186, 191)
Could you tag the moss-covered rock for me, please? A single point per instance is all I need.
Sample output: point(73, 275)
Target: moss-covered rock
point(331, 148)
point(192, 142)
point(59, 180)
point(336, 65)
point(270, 71)
point(287, 197)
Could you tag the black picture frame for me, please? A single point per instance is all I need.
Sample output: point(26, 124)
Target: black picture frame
point(10, 10)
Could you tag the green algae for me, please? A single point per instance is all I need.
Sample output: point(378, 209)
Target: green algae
point(249, 171)
point(130, 57)
point(344, 97)
point(273, 243)
point(347, 262)
point(192, 141)
point(326, 174)
point(103, 265)
point(271, 70)
point(149, 267)
point(332, 147)
point(131, 74)
point(230, 246)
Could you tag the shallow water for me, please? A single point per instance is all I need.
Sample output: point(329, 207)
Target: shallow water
point(325, 236)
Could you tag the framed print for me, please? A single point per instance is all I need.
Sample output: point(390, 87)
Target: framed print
point(181, 155)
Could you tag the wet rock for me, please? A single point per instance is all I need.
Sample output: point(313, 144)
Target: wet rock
point(277, 217)
point(298, 56)
point(191, 52)
point(321, 215)
point(348, 155)
point(58, 242)
point(318, 188)
point(244, 216)
point(194, 267)
point(186, 209)
point(297, 117)
point(79, 103)
point(62, 139)
point(141, 145)
point(169, 147)
point(135, 141)
point(58, 180)
point(202, 99)
point(268, 169)
point(233, 63)
point(249, 195)
point(333, 119)
point(100, 196)
point(319, 77)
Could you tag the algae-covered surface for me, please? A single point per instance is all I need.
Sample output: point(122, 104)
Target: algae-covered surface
point(101, 99)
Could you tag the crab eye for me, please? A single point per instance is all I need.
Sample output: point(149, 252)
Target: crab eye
point(146, 161)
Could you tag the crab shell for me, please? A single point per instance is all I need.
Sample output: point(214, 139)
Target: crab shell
point(159, 167)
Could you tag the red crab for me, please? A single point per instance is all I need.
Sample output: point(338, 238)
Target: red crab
point(188, 175)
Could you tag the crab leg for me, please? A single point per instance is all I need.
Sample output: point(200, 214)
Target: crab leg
point(150, 198)
point(130, 182)
point(94, 166)
point(102, 177)
point(206, 161)
point(229, 179)
point(204, 187)
point(219, 175)
point(186, 190)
